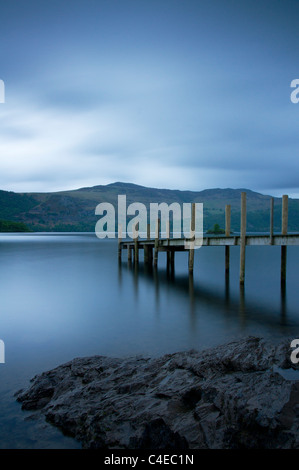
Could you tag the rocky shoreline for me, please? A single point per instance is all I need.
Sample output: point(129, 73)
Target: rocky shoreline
point(244, 394)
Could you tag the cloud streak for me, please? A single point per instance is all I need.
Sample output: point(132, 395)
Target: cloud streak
point(169, 95)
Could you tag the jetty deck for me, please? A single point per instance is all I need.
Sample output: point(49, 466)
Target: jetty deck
point(178, 244)
point(152, 246)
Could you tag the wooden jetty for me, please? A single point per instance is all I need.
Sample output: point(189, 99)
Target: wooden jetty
point(152, 247)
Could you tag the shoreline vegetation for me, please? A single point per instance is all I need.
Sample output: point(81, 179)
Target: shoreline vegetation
point(7, 226)
point(216, 230)
point(243, 394)
point(74, 210)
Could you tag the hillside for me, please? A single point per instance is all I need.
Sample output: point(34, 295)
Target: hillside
point(8, 226)
point(75, 210)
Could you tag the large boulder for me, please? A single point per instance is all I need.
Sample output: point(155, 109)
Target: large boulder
point(244, 394)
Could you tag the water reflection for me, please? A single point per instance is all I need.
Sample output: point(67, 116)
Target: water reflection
point(73, 299)
point(242, 306)
point(283, 304)
point(224, 301)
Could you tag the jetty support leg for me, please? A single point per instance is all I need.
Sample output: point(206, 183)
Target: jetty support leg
point(129, 254)
point(243, 238)
point(167, 238)
point(191, 249)
point(172, 259)
point(227, 234)
point(156, 250)
point(271, 220)
point(284, 231)
point(119, 242)
point(136, 248)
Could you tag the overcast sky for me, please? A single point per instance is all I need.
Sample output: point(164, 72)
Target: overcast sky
point(163, 93)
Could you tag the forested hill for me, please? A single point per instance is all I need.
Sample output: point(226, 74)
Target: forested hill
point(75, 210)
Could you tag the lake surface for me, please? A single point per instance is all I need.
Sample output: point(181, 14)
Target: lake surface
point(65, 295)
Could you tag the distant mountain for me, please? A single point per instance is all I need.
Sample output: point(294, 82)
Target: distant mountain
point(75, 210)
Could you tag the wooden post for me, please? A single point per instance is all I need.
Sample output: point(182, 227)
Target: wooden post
point(242, 238)
point(145, 250)
point(145, 247)
point(119, 242)
point(227, 234)
point(167, 238)
point(191, 249)
point(150, 255)
point(271, 219)
point(129, 254)
point(148, 250)
point(167, 229)
point(284, 231)
point(284, 217)
point(172, 254)
point(148, 231)
point(157, 234)
point(136, 251)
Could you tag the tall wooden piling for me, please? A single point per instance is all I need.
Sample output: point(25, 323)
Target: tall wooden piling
point(271, 220)
point(242, 238)
point(284, 215)
point(192, 243)
point(149, 248)
point(284, 231)
point(167, 231)
point(167, 238)
point(227, 234)
point(145, 251)
point(119, 242)
point(156, 251)
point(172, 259)
point(150, 255)
point(136, 250)
point(146, 247)
point(129, 254)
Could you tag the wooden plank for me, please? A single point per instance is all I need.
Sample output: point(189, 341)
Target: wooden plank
point(292, 239)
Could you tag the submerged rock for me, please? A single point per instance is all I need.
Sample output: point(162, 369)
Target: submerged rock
point(232, 396)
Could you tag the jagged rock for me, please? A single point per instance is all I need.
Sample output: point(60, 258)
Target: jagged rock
point(232, 396)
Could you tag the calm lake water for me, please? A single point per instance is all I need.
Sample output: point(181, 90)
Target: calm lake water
point(65, 295)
